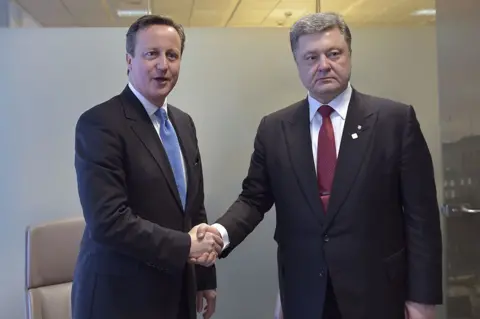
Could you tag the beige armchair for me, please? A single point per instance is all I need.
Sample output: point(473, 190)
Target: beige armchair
point(51, 253)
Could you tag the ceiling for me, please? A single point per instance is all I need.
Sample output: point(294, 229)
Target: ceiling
point(225, 13)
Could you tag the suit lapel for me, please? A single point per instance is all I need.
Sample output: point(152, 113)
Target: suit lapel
point(142, 126)
point(358, 130)
point(299, 146)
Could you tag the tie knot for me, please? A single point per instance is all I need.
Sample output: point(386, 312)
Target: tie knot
point(325, 110)
point(161, 114)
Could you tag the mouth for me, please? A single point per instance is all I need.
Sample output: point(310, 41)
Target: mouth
point(324, 80)
point(161, 79)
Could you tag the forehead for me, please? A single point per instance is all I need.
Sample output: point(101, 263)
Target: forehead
point(159, 36)
point(322, 41)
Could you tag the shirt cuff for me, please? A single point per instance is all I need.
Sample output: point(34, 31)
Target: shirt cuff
point(224, 234)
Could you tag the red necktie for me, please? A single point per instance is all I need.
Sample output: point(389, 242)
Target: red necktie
point(326, 155)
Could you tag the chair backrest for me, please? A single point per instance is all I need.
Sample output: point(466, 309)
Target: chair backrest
point(51, 254)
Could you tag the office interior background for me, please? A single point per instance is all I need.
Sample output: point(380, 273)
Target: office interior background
point(60, 57)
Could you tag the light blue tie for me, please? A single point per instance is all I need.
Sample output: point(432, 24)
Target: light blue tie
point(172, 147)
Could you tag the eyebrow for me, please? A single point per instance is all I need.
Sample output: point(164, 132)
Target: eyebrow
point(157, 50)
point(327, 50)
point(310, 52)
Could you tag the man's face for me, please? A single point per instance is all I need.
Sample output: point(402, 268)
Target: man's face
point(155, 66)
point(324, 63)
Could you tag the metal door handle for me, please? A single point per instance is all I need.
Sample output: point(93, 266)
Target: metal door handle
point(465, 209)
point(459, 210)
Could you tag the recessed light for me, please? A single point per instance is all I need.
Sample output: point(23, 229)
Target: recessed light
point(132, 13)
point(424, 12)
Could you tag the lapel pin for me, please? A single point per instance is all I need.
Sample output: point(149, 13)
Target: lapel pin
point(354, 136)
point(359, 127)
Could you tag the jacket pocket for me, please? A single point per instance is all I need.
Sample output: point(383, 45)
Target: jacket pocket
point(396, 265)
point(110, 263)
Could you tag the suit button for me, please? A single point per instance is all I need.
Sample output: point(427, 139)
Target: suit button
point(322, 273)
point(326, 238)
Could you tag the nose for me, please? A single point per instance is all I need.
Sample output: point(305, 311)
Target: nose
point(323, 64)
point(162, 62)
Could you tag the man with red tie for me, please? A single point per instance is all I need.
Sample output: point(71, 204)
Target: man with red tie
point(352, 181)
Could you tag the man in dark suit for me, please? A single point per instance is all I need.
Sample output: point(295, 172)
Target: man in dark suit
point(352, 181)
point(140, 184)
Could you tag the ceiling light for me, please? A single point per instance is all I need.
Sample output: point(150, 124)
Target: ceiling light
point(132, 13)
point(424, 12)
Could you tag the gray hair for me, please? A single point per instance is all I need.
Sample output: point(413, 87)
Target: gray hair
point(316, 23)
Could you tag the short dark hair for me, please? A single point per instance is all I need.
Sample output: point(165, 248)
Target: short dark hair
point(146, 21)
point(319, 22)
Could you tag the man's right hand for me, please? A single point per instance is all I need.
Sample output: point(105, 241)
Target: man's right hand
point(206, 244)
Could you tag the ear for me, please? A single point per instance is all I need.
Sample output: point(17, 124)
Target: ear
point(128, 59)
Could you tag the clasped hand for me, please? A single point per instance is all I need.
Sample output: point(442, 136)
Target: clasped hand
point(206, 245)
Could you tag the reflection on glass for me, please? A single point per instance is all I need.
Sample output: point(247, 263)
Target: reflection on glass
point(461, 227)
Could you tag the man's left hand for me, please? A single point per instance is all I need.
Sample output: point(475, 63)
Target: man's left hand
point(415, 310)
point(210, 297)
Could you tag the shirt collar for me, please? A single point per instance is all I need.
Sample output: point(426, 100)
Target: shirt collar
point(149, 106)
point(339, 104)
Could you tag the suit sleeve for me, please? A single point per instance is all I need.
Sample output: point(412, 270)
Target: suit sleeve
point(255, 198)
point(102, 190)
point(422, 217)
point(206, 276)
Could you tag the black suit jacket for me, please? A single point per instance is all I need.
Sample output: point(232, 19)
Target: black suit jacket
point(133, 256)
point(379, 241)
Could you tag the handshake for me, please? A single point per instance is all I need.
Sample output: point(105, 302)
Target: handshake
point(206, 245)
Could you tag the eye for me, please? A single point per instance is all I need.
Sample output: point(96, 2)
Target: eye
point(150, 54)
point(172, 56)
point(333, 54)
point(311, 57)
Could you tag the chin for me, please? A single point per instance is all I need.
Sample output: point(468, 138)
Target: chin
point(161, 92)
point(329, 87)
point(325, 90)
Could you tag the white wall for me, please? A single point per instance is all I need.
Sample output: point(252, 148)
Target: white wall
point(19, 18)
point(230, 78)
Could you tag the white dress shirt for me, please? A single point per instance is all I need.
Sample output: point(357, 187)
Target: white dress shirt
point(151, 109)
point(340, 107)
